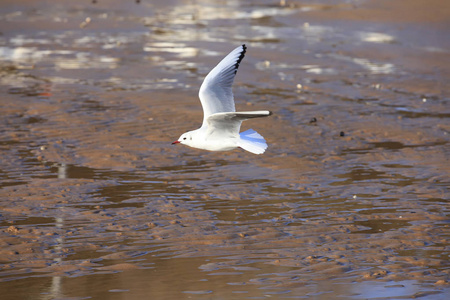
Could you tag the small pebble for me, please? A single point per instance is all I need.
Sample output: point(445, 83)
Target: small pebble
point(85, 23)
point(341, 133)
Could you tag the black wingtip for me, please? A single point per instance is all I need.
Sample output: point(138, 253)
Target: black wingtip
point(241, 57)
point(244, 50)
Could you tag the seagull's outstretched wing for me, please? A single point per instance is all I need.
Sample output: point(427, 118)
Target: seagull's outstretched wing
point(215, 93)
point(227, 124)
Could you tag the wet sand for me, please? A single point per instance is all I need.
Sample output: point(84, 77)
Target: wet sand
point(350, 201)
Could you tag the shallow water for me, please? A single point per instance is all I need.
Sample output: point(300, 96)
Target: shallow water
point(350, 200)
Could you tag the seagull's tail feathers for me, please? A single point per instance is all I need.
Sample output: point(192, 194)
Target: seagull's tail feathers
point(252, 141)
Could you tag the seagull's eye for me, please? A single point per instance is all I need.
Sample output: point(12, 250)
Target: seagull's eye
point(184, 138)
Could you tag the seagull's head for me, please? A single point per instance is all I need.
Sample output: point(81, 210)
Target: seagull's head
point(185, 138)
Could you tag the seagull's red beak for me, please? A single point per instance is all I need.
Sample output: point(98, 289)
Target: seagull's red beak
point(176, 142)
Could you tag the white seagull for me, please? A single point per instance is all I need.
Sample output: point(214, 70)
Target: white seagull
point(221, 122)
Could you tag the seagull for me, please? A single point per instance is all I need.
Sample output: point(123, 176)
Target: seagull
point(221, 123)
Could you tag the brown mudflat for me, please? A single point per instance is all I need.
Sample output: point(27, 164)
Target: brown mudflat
point(350, 201)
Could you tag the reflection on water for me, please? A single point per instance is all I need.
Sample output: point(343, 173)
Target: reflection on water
point(376, 37)
point(398, 290)
point(62, 59)
point(372, 66)
point(56, 288)
point(380, 225)
point(180, 49)
point(360, 174)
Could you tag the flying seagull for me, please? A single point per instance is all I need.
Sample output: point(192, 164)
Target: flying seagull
point(221, 122)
